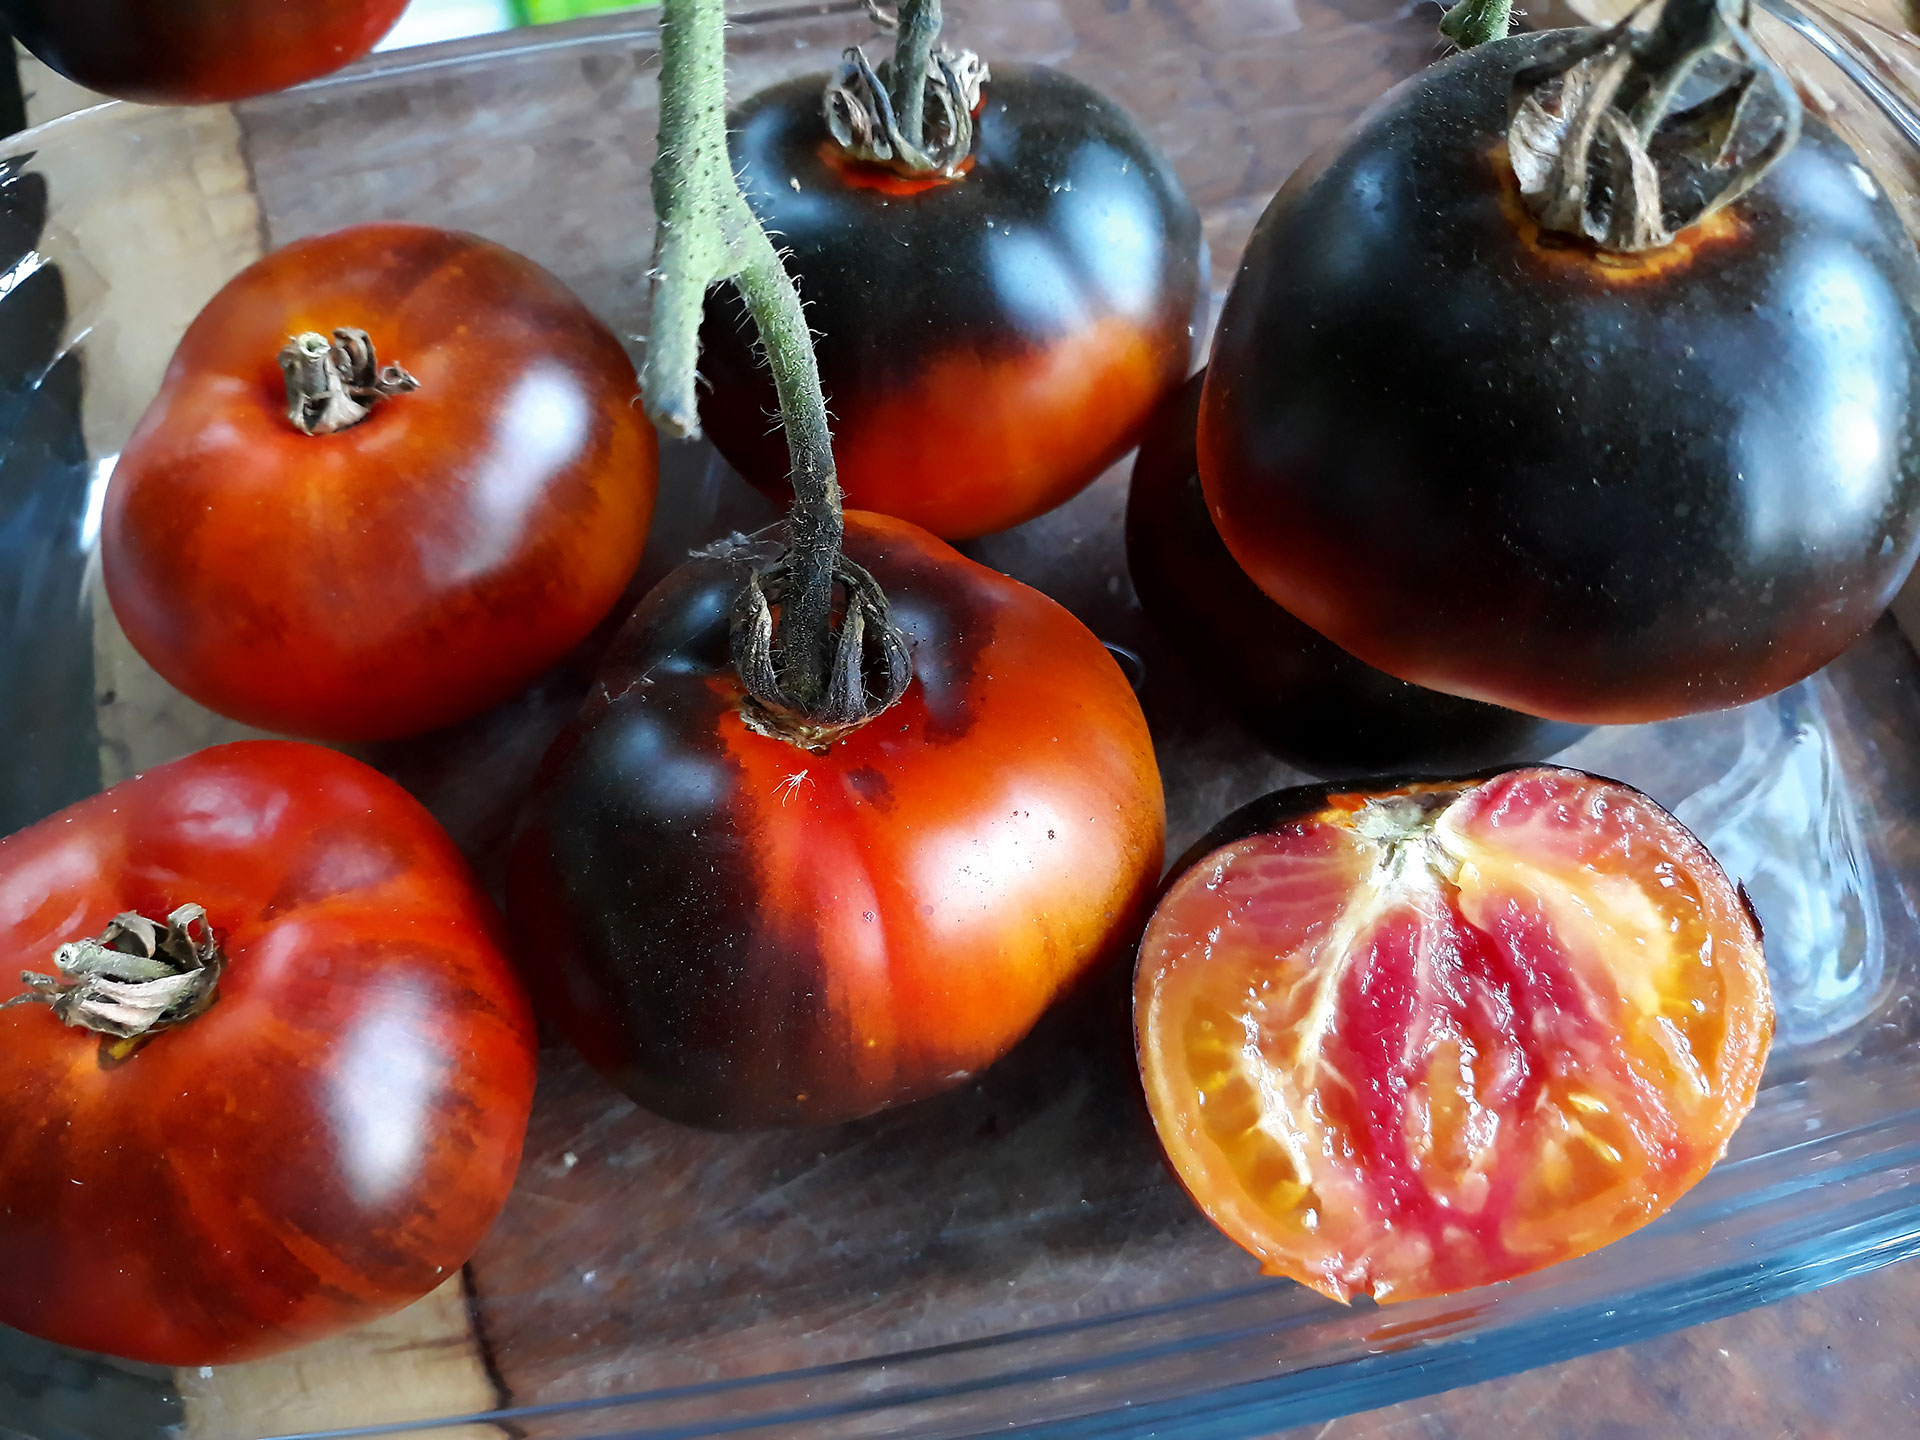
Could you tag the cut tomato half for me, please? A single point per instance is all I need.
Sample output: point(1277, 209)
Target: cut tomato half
point(1405, 1042)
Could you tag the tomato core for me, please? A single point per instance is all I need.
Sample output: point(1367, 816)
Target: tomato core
point(1411, 1042)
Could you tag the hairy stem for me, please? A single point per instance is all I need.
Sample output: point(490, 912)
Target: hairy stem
point(1477, 22)
point(815, 525)
point(707, 235)
point(912, 64)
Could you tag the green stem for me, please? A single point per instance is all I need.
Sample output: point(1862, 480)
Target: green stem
point(707, 235)
point(912, 63)
point(1476, 22)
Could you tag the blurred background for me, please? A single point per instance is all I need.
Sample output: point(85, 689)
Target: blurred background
point(427, 21)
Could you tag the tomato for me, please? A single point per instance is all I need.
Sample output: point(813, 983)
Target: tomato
point(416, 567)
point(193, 52)
point(1299, 691)
point(988, 344)
point(1506, 465)
point(1407, 1041)
point(325, 1143)
point(740, 932)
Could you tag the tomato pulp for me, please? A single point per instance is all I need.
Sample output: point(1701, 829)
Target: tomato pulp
point(741, 932)
point(418, 566)
point(196, 52)
point(1596, 488)
point(1405, 1042)
point(326, 1143)
point(1300, 692)
point(988, 344)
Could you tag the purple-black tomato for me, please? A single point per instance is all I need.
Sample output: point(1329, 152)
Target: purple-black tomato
point(988, 344)
point(197, 52)
point(740, 932)
point(1299, 691)
point(1590, 487)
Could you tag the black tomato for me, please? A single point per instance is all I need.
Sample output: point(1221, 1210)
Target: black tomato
point(737, 931)
point(988, 344)
point(1301, 693)
point(1591, 487)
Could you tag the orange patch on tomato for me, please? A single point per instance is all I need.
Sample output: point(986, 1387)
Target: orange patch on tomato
point(979, 443)
point(1576, 253)
point(866, 175)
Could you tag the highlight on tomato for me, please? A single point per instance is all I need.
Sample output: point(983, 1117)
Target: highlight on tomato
point(1596, 435)
point(999, 298)
point(1405, 1041)
point(392, 474)
point(268, 1069)
point(742, 921)
point(197, 52)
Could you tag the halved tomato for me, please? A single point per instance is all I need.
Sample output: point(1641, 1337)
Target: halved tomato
point(1405, 1042)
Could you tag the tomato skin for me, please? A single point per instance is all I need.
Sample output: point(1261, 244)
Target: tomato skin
point(1510, 470)
point(411, 570)
point(738, 932)
point(194, 52)
point(1302, 694)
point(987, 345)
point(1479, 1066)
point(325, 1144)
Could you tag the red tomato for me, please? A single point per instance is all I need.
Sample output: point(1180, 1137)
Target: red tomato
point(419, 566)
point(1411, 1041)
point(741, 932)
point(190, 52)
point(327, 1142)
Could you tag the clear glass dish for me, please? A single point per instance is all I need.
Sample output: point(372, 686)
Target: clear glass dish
point(1013, 1256)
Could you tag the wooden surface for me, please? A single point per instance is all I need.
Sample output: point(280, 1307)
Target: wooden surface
point(637, 1255)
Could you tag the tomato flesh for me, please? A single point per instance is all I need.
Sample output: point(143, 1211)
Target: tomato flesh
point(1405, 1043)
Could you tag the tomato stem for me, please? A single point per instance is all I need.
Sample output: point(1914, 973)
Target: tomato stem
point(334, 385)
point(881, 116)
point(139, 976)
point(1476, 22)
point(918, 27)
point(1600, 151)
point(796, 668)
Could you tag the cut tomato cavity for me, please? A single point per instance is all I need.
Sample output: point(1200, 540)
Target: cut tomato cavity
point(1406, 1042)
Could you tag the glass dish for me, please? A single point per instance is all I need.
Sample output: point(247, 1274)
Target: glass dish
point(1014, 1255)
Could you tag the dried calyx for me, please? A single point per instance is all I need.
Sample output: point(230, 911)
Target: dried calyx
point(1600, 150)
point(137, 977)
point(334, 384)
point(914, 112)
point(870, 667)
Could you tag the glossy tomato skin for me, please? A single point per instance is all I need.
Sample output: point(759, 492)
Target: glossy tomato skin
point(1596, 490)
point(739, 932)
point(331, 1139)
point(417, 567)
point(1301, 693)
point(1510, 1059)
point(194, 52)
point(987, 344)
